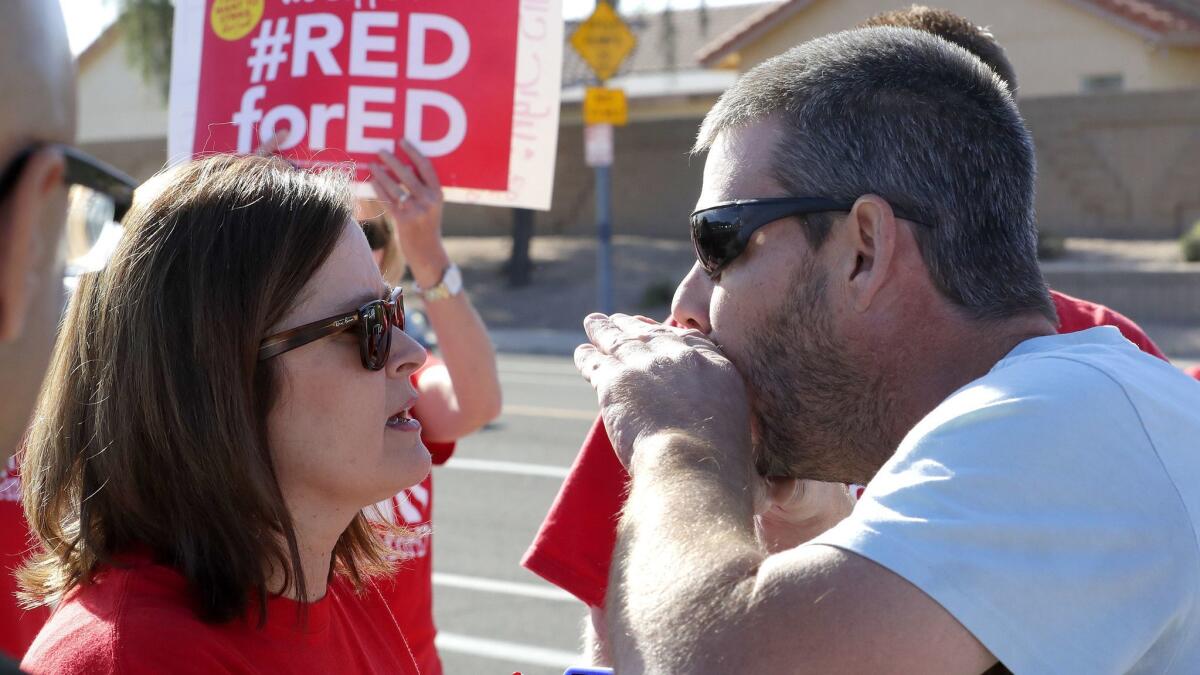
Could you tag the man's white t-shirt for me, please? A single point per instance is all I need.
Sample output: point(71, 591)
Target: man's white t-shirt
point(1051, 506)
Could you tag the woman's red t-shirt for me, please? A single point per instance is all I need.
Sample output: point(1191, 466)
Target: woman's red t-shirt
point(139, 618)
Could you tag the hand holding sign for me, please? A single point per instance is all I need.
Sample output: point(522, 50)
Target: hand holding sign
point(413, 197)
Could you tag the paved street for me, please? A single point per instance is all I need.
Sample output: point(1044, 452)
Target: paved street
point(494, 616)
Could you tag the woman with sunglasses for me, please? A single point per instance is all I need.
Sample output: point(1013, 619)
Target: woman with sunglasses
point(226, 396)
point(459, 393)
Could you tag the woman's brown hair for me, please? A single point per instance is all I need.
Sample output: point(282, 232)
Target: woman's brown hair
point(151, 432)
point(381, 235)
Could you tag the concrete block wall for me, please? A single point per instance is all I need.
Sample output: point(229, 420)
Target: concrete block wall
point(1119, 166)
point(1169, 294)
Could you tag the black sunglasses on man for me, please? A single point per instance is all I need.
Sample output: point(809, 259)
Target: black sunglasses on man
point(720, 233)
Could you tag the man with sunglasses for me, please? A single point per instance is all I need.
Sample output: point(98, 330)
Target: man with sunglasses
point(37, 122)
point(573, 548)
point(888, 323)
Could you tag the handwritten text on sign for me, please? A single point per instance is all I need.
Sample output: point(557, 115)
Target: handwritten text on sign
point(347, 82)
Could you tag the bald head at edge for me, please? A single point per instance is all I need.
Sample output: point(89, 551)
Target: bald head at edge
point(37, 78)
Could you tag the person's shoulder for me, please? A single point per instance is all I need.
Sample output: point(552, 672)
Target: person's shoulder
point(74, 640)
point(1055, 371)
point(1065, 392)
point(1095, 356)
point(1077, 314)
point(128, 620)
point(1080, 407)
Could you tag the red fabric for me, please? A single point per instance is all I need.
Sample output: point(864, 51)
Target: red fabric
point(409, 593)
point(1075, 315)
point(139, 619)
point(17, 626)
point(573, 548)
point(1193, 371)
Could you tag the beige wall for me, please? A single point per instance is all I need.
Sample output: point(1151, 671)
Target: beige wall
point(114, 103)
point(1121, 166)
point(1053, 44)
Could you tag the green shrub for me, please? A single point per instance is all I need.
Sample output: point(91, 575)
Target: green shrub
point(1190, 242)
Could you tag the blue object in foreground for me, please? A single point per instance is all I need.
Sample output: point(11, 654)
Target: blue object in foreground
point(589, 671)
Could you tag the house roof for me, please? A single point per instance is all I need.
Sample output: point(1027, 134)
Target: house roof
point(110, 34)
point(1169, 21)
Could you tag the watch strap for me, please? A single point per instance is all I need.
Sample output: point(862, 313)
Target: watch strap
point(442, 289)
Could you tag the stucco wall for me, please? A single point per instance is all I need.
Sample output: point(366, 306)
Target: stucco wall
point(114, 103)
point(1053, 44)
point(1121, 166)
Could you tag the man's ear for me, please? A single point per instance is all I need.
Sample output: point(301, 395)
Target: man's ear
point(21, 236)
point(872, 247)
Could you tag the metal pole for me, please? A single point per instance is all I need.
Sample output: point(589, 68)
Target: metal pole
point(604, 291)
point(520, 267)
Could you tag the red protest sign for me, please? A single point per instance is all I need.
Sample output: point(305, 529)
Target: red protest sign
point(347, 78)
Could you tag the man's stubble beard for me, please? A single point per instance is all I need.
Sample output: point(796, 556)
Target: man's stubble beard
point(818, 413)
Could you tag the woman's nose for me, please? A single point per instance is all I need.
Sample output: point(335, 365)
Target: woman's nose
point(407, 354)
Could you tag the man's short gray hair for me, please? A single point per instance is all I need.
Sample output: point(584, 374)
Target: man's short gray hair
point(922, 123)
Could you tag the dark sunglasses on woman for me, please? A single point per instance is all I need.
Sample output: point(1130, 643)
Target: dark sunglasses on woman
point(373, 321)
point(720, 233)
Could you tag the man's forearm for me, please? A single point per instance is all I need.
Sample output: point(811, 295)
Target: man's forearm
point(681, 572)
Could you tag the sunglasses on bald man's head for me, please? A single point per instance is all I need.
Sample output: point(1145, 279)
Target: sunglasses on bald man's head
point(103, 181)
point(373, 321)
point(721, 233)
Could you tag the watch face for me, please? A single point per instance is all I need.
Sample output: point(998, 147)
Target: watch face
point(453, 280)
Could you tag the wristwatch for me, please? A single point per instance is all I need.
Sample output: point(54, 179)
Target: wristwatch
point(450, 285)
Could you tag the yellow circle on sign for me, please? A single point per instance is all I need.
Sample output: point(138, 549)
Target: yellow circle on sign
point(234, 19)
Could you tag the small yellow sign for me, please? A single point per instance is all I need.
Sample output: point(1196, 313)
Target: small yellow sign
point(605, 106)
point(603, 41)
point(234, 19)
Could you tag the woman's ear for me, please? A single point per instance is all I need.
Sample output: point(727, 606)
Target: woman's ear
point(872, 246)
point(22, 235)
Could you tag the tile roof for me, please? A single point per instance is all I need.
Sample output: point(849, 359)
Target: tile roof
point(1176, 21)
point(1163, 17)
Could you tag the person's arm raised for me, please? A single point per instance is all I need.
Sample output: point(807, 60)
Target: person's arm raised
point(464, 394)
point(692, 589)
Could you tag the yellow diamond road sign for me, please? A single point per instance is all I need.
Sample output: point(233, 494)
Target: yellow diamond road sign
point(603, 40)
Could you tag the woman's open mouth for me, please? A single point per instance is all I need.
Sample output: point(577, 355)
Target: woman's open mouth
point(403, 420)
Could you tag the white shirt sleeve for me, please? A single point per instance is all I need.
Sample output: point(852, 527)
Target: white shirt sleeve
point(1032, 505)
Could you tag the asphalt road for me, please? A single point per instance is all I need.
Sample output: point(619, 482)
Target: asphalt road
point(493, 615)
